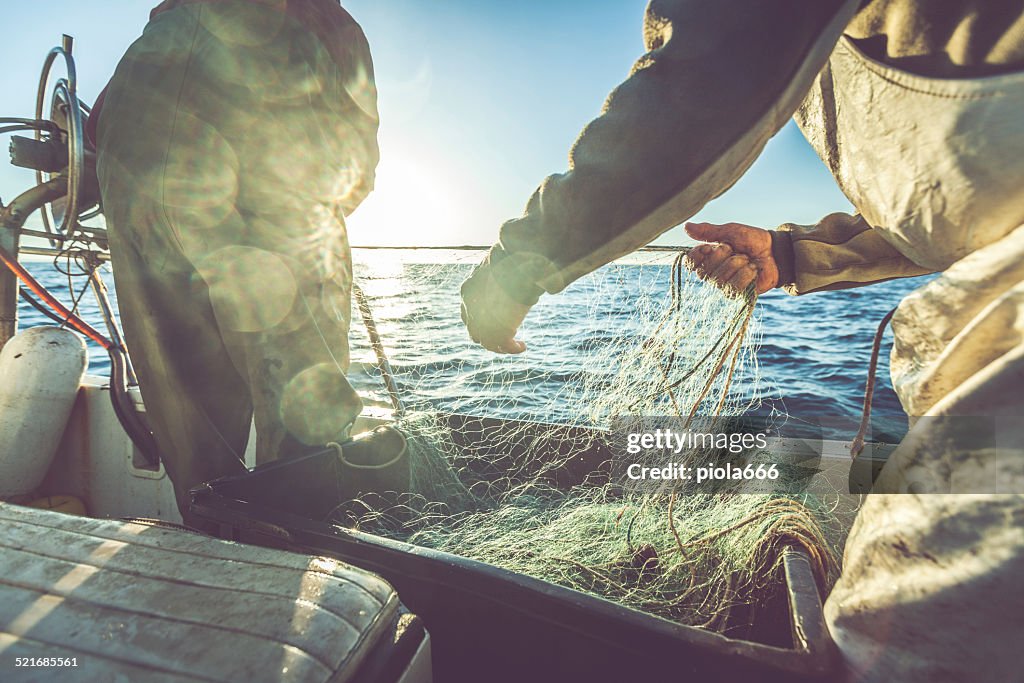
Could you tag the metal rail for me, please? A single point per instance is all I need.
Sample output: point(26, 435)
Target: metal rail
point(48, 251)
point(480, 247)
point(68, 88)
point(12, 218)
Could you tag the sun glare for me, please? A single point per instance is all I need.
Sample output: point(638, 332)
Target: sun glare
point(412, 205)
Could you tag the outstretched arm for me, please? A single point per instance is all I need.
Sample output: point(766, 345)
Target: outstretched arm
point(839, 252)
point(718, 80)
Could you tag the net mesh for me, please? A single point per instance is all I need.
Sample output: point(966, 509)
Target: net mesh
point(514, 462)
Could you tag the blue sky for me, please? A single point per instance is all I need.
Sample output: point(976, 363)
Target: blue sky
point(479, 101)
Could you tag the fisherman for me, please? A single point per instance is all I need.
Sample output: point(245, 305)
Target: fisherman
point(233, 140)
point(916, 108)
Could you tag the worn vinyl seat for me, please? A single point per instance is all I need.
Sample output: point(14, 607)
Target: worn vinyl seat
point(137, 602)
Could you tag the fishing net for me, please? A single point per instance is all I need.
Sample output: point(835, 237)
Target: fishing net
point(521, 461)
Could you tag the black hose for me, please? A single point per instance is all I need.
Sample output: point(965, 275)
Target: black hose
point(121, 402)
point(41, 308)
point(12, 125)
point(124, 409)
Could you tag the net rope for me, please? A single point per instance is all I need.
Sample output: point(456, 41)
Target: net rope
point(540, 491)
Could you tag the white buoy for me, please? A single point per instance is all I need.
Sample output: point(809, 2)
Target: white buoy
point(41, 369)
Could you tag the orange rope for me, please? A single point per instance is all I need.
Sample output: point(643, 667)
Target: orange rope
point(73, 320)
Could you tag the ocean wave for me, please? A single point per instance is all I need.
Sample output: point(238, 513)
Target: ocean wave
point(813, 354)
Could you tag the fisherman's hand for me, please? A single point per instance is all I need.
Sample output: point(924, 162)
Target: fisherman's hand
point(491, 316)
point(738, 256)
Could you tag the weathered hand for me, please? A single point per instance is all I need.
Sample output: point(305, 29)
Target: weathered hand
point(491, 316)
point(742, 255)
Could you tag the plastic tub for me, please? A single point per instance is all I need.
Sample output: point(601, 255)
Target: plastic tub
point(490, 624)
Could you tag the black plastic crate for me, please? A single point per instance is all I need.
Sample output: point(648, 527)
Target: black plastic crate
point(490, 624)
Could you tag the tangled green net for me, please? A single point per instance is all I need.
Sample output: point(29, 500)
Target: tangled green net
point(545, 500)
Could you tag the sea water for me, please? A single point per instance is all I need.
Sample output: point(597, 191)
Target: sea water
point(814, 349)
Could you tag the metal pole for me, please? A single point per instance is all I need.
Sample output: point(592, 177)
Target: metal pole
point(47, 251)
point(8, 287)
point(12, 217)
